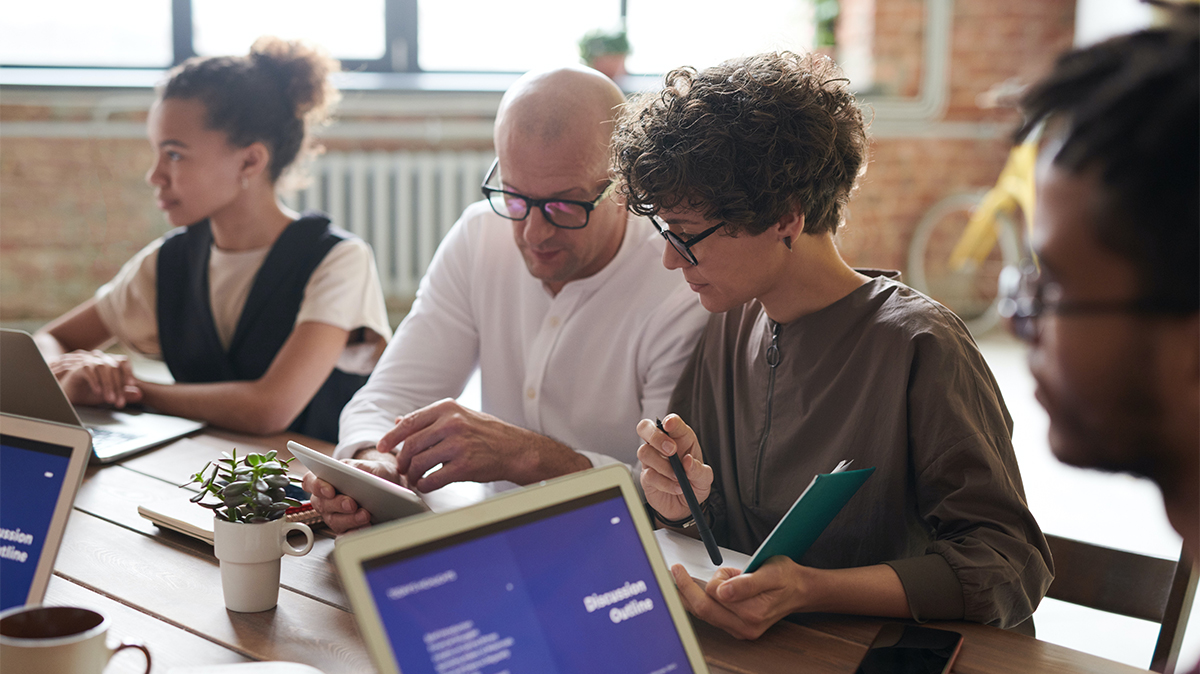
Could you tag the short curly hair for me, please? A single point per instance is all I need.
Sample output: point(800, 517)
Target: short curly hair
point(745, 142)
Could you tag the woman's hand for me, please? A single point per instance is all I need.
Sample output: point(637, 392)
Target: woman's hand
point(746, 604)
point(96, 378)
point(662, 490)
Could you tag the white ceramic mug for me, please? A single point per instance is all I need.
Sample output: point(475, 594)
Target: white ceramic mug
point(250, 555)
point(60, 639)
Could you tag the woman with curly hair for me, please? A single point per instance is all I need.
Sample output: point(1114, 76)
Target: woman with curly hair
point(747, 168)
point(267, 320)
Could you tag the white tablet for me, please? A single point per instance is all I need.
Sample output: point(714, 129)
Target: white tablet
point(385, 500)
point(41, 467)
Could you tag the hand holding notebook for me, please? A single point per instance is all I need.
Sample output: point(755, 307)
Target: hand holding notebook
point(812, 512)
point(816, 507)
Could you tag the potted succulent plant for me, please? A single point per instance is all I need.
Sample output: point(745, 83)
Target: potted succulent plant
point(249, 529)
point(605, 50)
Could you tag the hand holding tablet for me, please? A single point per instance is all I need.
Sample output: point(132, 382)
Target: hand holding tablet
point(385, 500)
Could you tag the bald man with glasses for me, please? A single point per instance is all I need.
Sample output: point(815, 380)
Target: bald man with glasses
point(578, 330)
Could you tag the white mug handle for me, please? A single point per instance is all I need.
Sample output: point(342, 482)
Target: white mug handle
point(308, 536)
point(141, 647)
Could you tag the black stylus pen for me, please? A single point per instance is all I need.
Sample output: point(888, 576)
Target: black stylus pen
point(710, 543)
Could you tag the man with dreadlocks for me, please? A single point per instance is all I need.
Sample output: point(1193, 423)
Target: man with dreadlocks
point(1112, 311)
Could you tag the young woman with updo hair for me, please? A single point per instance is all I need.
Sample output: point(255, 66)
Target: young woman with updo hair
point(267, 319)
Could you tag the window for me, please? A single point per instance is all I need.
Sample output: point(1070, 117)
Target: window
point(403, 35)
point(349, 29)
point(508, 36)
point(665, 34)
point(87, 33)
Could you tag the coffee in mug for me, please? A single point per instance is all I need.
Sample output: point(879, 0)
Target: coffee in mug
point(61, 639)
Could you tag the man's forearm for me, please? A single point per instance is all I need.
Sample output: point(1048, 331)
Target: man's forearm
point(548, 458)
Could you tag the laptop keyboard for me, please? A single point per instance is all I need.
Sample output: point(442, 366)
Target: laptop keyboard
point(102, 438)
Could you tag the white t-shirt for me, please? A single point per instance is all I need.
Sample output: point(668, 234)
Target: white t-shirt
point(582, 367)
point(343, 291)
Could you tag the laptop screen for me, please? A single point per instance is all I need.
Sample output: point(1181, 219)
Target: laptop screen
point(564, 589)
point(31, 479)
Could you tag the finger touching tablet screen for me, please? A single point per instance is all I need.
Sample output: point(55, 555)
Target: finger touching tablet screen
point(385, 500)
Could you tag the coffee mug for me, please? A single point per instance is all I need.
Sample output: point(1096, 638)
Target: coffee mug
point(60, 639)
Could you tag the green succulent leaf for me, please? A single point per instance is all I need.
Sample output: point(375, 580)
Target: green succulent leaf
point(247, 488)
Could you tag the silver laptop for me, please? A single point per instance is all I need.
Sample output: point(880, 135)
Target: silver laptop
point(562, 577)
point(29, 389)
point(41, 466)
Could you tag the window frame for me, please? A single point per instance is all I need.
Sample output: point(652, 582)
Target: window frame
point(400, 38)
point(401, 42)
point(398, 65)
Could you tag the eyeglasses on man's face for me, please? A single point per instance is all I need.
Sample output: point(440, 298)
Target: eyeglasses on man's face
point(684, 248)
point(1025, 297)
point(562, 213)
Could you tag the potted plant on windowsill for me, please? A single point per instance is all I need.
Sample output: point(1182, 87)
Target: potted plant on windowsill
point(249, 529)
point(605, 50)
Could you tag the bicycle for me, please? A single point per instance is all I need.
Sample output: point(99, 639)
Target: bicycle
point(959, 264)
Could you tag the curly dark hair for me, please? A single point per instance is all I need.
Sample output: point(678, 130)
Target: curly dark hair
point(272, 95)
point(745, 142)
point(1128, 109)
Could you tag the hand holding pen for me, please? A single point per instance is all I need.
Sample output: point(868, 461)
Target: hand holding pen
point(676, 486)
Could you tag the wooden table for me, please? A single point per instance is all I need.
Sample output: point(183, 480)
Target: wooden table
point(164, 589)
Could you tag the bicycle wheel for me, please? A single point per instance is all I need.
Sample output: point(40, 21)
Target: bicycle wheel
point(969, 292)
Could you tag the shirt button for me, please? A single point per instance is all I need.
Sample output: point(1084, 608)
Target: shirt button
point(530, 393)
point(555, 322)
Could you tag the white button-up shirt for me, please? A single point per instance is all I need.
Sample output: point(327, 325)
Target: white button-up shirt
point(581, 367)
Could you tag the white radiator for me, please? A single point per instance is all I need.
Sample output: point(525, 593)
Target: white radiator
point(402, 203)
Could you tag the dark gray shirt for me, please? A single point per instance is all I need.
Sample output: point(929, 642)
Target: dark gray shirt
point(890, 379)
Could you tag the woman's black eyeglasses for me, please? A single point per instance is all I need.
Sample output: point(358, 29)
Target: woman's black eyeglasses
point(684, 248)
point(562, 213)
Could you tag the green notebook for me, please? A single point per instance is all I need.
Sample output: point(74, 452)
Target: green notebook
point(810, 514)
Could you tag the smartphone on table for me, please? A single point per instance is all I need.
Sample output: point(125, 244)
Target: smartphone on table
point(911, 649)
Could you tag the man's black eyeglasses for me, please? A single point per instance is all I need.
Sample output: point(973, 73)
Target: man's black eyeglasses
point(1024, 297)
point(562, 213)
point(684, 248)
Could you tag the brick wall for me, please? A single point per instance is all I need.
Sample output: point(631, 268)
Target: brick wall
point(72, 210)
point(899, 28)
point(991, 42)
point(996, 41)
point(904, 178)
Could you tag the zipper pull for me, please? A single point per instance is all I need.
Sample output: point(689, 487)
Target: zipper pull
point(773, 350)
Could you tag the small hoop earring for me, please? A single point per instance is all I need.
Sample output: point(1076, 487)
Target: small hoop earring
point(787, 241)
point(246, 186)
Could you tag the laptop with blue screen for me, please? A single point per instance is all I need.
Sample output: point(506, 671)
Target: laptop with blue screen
point(561, 577)
point(41, 466)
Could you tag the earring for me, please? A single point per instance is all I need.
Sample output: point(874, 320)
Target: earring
point(246, 186)
point(787, 241)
